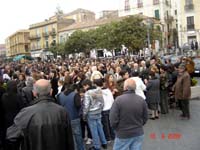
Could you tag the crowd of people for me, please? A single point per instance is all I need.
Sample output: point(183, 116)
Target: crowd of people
point(66, 104)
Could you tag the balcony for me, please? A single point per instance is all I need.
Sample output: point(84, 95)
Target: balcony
point(190, 27)
point(156, 2)
point(45, 34)
point(34, 37)
point(140, 5)
point(189, 7)
point(53, 32)
point(169, 19)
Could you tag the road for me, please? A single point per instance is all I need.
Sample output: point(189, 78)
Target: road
point(171, 133)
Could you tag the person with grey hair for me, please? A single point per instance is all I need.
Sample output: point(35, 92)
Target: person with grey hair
point(27, 94)
point(127, 117)
point(44, 125)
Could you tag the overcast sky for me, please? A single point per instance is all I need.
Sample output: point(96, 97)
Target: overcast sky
point(19, 14)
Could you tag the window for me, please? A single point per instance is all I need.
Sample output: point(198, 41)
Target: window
point(46, 29)
point(188, 2)
point(140, 3)
point(157, 15)
point(127, 5)
point(38, 44)
point(190, 23)
point(175, 12)
point(46, 44)
point(155, 2)
point(189, 5)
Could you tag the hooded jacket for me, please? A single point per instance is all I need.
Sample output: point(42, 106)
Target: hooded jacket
point(93, 101)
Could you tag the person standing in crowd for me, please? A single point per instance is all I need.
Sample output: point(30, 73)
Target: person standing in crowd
point(11, 104)
point(92, 108)
point(54, 82)
point(164, 83)
point(111, 84)
point(153, 94)
point(27, 94)
point(71, 101)
point(108, 101)
point(44, 125)
point(128, 128)
point(140, 86)
point(21, 84)
point(183, 91)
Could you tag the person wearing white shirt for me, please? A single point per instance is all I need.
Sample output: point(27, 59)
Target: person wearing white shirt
point(108, 101)
point(140, 86)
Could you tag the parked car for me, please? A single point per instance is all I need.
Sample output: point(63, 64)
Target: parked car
point(197, 67)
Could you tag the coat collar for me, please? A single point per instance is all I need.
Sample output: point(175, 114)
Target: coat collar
point(129, 92)
point(43, 99)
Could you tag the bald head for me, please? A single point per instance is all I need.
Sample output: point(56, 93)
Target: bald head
point(129, 84)
point(42, 87)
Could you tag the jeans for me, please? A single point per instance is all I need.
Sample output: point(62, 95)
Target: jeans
point(77, 134)
point(96, 128)
point(134, 143)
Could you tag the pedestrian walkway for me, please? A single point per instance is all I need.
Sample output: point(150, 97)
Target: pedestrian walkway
point(171, 133)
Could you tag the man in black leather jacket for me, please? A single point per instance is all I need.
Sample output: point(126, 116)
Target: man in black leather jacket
point(44, 125)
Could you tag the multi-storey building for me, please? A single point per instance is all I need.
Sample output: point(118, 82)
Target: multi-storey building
point(159, 9)
point(45, 34)
point(188, 21)
point(2, 51)
point(18, 43)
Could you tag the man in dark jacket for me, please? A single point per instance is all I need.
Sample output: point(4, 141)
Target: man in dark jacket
point(44, 125)
point(127, 117)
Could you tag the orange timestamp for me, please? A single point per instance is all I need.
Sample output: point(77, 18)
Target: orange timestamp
point(163, 136)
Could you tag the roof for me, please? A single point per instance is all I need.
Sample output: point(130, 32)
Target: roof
point(88, 24)
point(79, 10)
point(22, 30)
point(95, 23)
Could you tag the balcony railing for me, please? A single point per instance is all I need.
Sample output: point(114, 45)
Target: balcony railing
point(190, 27)
point(155, 2)
point(189, 7)
point(33, 37)
point(140, 5)
point(169, 19)
point(45, 34)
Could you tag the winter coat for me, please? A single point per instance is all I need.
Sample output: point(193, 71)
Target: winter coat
point(153, 91)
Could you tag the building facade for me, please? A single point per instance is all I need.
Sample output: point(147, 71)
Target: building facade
point(159, 9)
point(188, 22)
point(43, 35)
point(18, 43)
point(2, 51)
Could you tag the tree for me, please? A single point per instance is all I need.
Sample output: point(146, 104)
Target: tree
point(58, 49)
point(80, 41)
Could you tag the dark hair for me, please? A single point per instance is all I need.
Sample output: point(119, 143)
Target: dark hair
point(87, 82)
point(135, 74)
point(98, 82)
point(122, 72)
